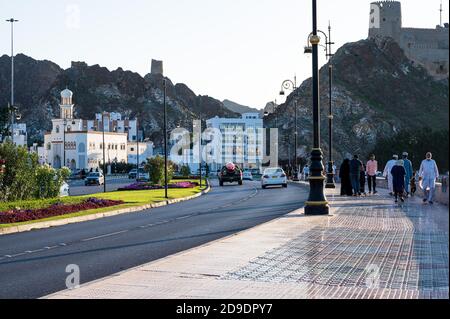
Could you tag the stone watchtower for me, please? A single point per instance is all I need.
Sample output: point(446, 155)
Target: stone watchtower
point(386, 19)
point(157, 67)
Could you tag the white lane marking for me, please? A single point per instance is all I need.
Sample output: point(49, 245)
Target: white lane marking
point(103, 236)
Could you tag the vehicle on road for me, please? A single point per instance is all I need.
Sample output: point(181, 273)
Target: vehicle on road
point(94, 178)
point(143, 175)
point(274, 177)
point(230, 173)
point(64, 190)
point(77, 174)
point(247, 176)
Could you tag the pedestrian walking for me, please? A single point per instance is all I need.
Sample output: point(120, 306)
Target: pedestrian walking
point(355, 173)
point(387, 173)
point(428, 173)
point(362, 180)
point(398, 180)
point(306, 172)
point(409, 172)
point(344, 175)
point(371, 170)
point(412, 184)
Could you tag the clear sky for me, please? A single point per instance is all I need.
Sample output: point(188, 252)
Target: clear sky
point(235, 49)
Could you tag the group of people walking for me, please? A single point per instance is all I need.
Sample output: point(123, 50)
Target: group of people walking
point(398, 172)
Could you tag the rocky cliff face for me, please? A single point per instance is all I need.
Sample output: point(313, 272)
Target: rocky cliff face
point(96, 89)
point(377, 91)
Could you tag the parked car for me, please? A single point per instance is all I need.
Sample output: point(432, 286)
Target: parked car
point(64, 190)
point(230, 173)
point(143, 175)
point(94, 178)
point(76, 174)
point(274, 176)
point(247, 176)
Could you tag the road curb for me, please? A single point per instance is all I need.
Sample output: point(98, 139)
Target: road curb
point(61, 222)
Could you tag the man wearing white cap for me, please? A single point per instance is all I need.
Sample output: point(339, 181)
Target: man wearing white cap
point(387, 173)
point(409, 171)
point(428, 173)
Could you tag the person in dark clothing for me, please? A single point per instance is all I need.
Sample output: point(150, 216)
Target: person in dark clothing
point(398, 174)
point(412, 186)
point(344, 175)
point(355, 174)
point(362, 180)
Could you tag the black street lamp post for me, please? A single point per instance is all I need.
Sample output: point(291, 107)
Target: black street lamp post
point(104, 161)
point(64, 141)
point(137, 150)
point(292, 85)
point(165, 141)
point(317, 203)
point(328, 54)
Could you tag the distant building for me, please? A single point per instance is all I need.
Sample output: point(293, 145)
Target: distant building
point(426, 47)
point(84, 138)
point(145, 151)
point(157, 67)
point(240, 141)
point(20, 134)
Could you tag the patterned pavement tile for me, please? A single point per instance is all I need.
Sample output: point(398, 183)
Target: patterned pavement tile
point(382, 246)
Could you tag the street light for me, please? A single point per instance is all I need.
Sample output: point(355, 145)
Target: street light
point(12, 21)
point(317, 204)
point(292, 85)
point(200, 150)
point(330, 171)
point(64, 141)
point(104, 161)
point(165, 140)
point(137, 149)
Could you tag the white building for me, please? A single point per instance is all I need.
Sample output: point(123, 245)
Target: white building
point(240, 141)
point(145, 151)
point(20, 134)
point(84, 139)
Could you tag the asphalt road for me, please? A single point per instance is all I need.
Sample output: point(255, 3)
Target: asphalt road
point(77, 187)
point(33, 264)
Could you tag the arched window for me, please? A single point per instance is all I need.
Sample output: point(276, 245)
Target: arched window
point(49, 146)
point(57, 129)
point(81, 148)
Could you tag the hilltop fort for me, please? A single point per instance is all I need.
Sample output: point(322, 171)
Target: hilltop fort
point(426, 47)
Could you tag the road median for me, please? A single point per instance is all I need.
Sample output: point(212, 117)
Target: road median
point(88, 217)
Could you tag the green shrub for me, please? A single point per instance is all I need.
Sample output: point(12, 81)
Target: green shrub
point(185, 171)
point(155, 168)
point(17, 181)
point(22, 178)
point(49, 181)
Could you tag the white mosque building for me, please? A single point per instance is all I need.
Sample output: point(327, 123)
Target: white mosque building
point(83, 139)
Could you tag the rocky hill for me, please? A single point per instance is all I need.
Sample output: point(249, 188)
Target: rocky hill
point(377, 92)
point(96, 89)
point(239, 108)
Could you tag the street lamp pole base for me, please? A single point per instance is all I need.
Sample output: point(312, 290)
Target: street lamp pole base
point(317, 203)
point(330, 177)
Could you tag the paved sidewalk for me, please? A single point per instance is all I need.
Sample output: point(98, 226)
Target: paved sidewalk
point(368, 248)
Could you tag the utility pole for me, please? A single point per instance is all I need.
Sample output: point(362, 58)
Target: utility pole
point(137, 149)
point(440, 16)
point(104, 162)
point(317, 203)
point(12, 20)
point(165, 141)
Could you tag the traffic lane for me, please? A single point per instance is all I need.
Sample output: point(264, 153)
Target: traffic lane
point(13, 244)
point(77, 188)
point(103, 256)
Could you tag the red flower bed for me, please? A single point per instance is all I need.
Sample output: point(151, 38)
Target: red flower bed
point(17, 216)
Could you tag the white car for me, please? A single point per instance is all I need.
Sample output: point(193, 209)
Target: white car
point(64, 190)
point(274, 176)
point(247, 175)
